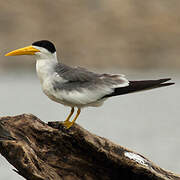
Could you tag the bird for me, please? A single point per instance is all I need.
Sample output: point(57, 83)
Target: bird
point(78, 87)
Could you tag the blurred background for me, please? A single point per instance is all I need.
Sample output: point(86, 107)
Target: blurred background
point(139, 39)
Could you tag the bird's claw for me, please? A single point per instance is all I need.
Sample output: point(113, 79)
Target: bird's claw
point(67, 124)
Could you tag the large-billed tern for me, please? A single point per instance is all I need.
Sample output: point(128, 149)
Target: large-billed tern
point(76, 86)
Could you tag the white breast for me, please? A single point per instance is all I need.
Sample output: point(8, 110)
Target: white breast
point(46, 74)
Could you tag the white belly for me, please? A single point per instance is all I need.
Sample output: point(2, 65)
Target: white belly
point(72, 99)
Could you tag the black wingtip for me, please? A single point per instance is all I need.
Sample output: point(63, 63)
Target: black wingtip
point(135, 86)
point(164, 80)
point(167, 84)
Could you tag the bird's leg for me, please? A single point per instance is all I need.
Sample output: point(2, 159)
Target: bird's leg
point(68, 124)
point(71, 113)
point(78, 113)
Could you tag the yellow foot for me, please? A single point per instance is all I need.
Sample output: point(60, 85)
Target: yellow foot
point(67, 124)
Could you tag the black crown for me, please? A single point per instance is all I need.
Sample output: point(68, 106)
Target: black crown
point(45, 44)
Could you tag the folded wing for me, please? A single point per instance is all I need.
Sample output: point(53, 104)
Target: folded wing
point(135, 86)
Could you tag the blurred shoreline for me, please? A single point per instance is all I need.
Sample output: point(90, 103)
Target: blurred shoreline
point(126, 34)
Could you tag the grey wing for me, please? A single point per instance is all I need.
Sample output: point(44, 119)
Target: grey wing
point(74, 74)
point(83, 87)
point(75, 78)
point(81, 77)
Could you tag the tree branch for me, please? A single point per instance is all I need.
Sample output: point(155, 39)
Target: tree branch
point(41, 151)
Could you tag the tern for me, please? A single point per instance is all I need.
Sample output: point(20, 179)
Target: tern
point(77, 86)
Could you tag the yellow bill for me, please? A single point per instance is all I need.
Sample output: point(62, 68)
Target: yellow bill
point(28, 50)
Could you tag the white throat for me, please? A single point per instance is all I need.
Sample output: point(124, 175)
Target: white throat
point(45, 64)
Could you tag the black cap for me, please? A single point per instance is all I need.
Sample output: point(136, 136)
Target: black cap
point(45, 44)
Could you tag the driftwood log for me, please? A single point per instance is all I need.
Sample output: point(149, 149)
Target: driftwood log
point(41, 151)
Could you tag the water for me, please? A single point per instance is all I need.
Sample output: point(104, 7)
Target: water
point(145, 122)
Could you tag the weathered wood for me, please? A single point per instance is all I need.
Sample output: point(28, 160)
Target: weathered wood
point(41, 151)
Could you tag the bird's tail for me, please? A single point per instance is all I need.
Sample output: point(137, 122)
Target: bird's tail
point(135, 86)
